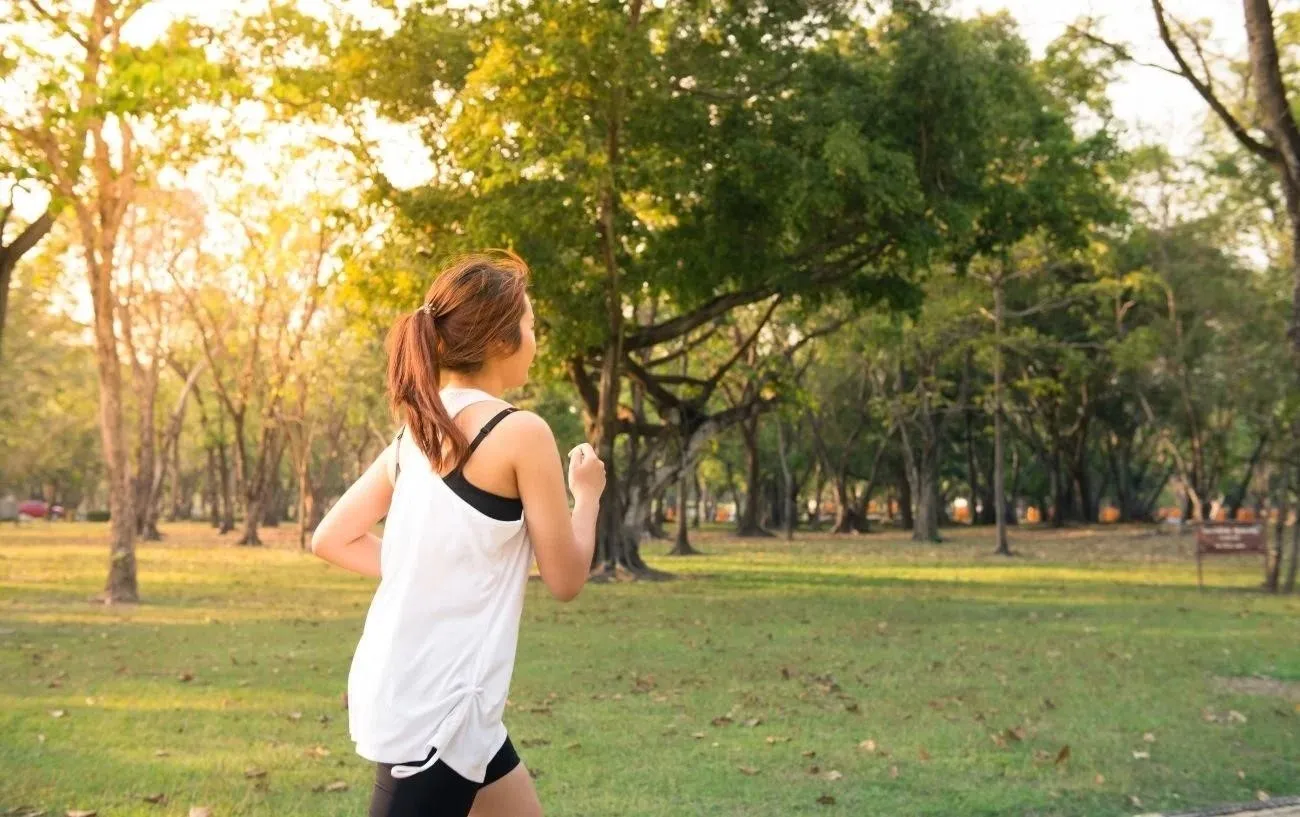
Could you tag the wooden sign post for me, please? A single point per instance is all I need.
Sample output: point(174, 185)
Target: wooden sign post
point(1229, 539)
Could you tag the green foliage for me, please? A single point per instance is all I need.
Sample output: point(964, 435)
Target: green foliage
point(49, 406)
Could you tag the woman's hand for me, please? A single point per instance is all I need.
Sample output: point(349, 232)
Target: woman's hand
point(586, 474)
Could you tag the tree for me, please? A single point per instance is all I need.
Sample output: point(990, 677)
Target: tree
point(708, 157)
point(102, 113)
point(253, 339)
point(48, 423)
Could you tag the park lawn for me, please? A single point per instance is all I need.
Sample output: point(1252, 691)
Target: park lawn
point(746, 686)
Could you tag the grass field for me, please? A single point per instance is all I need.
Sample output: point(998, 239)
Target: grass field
point(835, 676)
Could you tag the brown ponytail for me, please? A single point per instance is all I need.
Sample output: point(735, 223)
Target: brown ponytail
point(470, 313)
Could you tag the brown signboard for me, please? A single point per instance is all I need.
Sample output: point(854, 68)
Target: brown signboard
point(1229, 539)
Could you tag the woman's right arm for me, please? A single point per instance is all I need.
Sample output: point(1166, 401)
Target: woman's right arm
point(563, 540)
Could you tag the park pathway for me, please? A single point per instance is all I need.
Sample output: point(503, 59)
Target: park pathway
point(1277, 807)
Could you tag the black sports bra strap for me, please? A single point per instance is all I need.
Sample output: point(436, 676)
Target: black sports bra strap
point(483, 432)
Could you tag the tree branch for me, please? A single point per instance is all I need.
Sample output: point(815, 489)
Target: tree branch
point(60, 22)
point(1269, 153)
point(676, 327)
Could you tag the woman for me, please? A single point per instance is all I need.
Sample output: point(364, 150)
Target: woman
point(473, 490)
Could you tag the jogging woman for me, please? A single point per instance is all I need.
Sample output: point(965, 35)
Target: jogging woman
point(473, 490)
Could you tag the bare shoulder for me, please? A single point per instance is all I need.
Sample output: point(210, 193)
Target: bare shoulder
point(526, 426)
point(527, 437)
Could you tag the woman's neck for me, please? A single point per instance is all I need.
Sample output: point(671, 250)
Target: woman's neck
point(481, 381)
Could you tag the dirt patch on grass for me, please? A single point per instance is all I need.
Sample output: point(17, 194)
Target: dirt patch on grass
point(1261, 686)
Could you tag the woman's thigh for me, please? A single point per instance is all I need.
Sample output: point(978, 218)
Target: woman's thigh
point(512, 796)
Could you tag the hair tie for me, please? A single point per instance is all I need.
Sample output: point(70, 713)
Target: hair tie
point(427, 309)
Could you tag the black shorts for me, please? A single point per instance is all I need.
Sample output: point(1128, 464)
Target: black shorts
point(437, 791)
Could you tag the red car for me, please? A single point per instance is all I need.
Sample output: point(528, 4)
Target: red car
point(34, 508)
point(39, 509)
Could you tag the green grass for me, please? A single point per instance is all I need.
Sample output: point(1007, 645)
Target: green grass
point(1091, 639)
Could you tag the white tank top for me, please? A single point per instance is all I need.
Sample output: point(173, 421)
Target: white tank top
point(434, 662)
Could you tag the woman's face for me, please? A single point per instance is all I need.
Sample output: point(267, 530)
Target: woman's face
point(515, 367)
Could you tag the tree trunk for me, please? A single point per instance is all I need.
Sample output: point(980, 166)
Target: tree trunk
point(682, 543)
point(846, 515)
point(1280, 124)
point(999, 454)
point(1294, 567)
point(905, 514)
point(1061, 492)
point(211, 492)
point(252, 520)
point(121, 585)
point(259, 481)
point(922, 468)
point(1283, 505)
point(925, 525)
point(700, 504)
point(146, 383)
point(1239, 496)
point(787, 481)
point(306, 498)
point(179, 501)
point(747, 523)
point(227, 523)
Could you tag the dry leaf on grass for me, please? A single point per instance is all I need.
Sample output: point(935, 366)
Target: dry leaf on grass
point(826, 800)
point(200, 811)
point(158, 799)
point(77, 812)
point(749, 770)
point(833, 774)
point(253, 774)
point(1063, 755)
point(867, 745)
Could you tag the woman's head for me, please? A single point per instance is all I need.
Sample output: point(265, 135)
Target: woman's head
point(476, 320)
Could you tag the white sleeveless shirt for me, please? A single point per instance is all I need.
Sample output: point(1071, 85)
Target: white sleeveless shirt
point(434, 662)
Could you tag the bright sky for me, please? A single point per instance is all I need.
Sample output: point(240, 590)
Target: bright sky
point(1154, 105)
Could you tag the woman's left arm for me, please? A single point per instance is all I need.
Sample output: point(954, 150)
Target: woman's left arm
point(343, 537)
